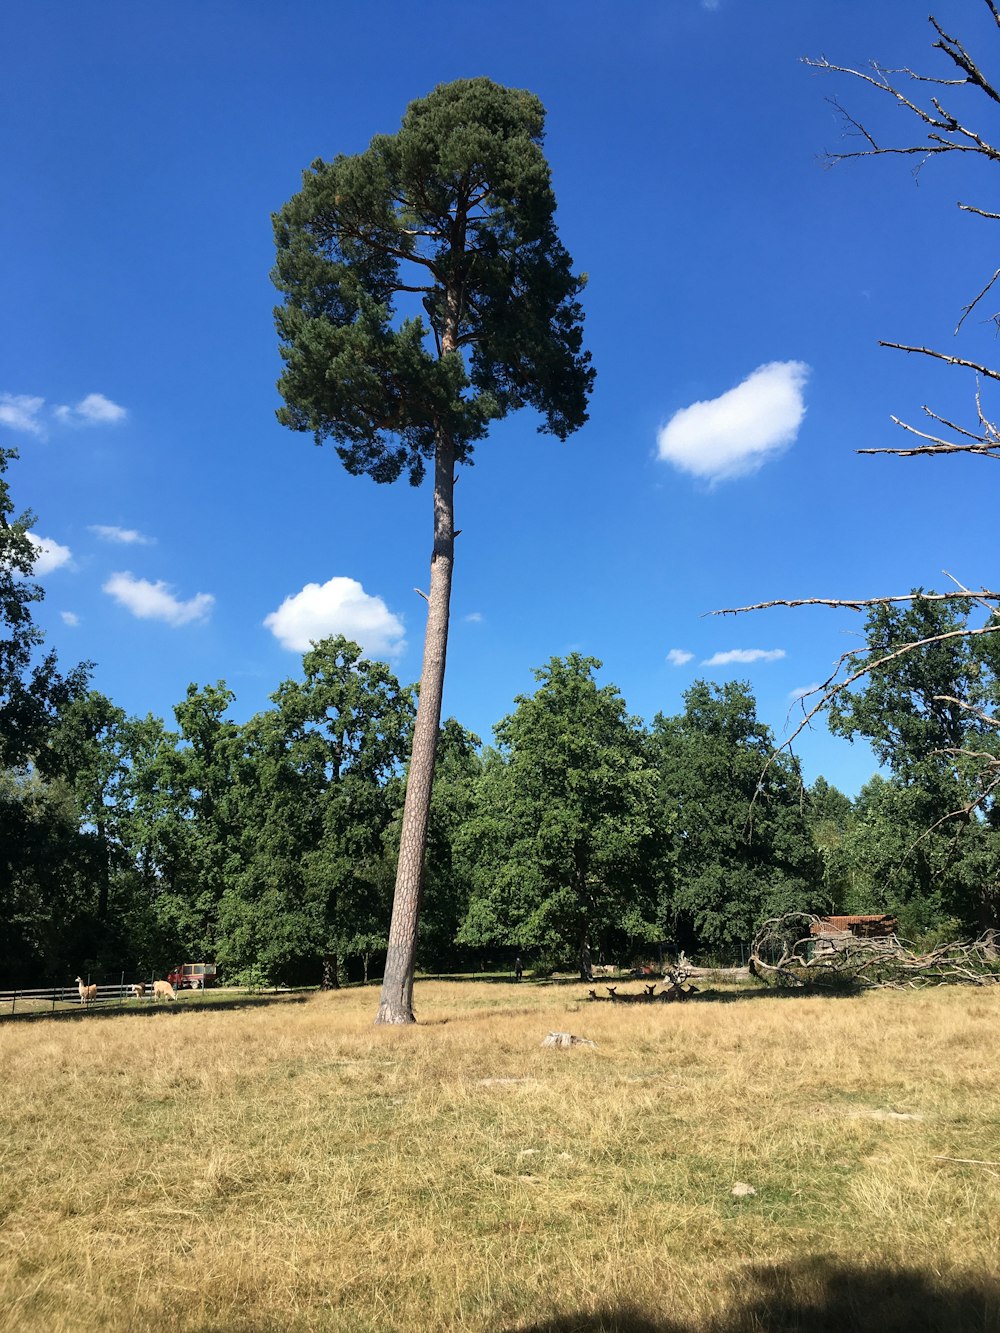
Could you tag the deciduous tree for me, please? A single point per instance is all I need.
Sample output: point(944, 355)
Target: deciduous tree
point(313, 796)
point(740, 849)
point(564, 839)
point(950, 112)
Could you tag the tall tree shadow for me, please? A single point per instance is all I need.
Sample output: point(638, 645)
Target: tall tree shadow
point(815, 1295)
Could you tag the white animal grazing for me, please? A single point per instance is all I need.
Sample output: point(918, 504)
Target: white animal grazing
point(87, 993)
point(138, 990)
point(162, 990)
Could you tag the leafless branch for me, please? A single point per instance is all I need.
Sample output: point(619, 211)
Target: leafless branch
point(978, 598)
point(968, 309)
point(970, 208)
point(955, 51)
point(963, 815)
point(831, 688)
point(970, 708)
point(987, 371)
point(936, 445)
point(858, 603)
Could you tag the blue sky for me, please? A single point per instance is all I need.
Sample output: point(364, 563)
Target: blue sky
point(145, 147)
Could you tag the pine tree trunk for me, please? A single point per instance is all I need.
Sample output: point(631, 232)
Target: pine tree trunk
point(396, 1001)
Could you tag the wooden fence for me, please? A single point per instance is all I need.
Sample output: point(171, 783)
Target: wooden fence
point(35, 1002)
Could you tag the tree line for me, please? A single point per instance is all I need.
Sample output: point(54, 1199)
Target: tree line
point(581, 834)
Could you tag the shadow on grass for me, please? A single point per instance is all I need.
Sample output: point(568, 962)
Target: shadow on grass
point(816, 1295)
point(463, 978)
point(706, 995)
point(147, 1009)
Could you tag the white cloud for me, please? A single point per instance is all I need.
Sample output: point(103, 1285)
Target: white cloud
point(156, 601)
point(126, 536)
point(20, 411)
point(69, 617)
point(94, 410)
point(803, 691)
point(339, 606)
point(50, 555)
point(474, 618)
point(736, 433)
point(745, 655)
point(678, 656)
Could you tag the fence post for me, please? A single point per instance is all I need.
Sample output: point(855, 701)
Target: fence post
point(13, 1001)
point(121, 991)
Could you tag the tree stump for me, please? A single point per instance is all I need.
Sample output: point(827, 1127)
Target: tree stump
point(564, 1039)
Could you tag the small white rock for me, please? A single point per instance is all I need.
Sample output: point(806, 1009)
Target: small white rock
point(742, 1191)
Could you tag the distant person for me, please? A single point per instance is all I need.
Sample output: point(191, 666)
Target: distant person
point(518, 969)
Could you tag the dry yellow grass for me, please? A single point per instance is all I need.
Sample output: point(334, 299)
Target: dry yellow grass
point(291, 1167)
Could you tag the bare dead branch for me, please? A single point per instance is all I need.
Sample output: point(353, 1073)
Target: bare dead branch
point(858, 603)
point(954, 49)
point(968, 309)
point(968, 592)
point(963, 815)
point(970, 708)
point(832, 687)
point(936, 445)
point(943, 356)
point(880, 81)
point(970, 208)
point(987, 427)
point(787, 952)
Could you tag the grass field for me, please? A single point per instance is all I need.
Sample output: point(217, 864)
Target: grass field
point(290, 1167)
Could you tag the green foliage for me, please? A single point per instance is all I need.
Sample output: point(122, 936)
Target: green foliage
point(563, 838)
point(921, 705)
point(448, 872)
point(926, 843)
point(740, 849)
point(457, 210)
point(314, 790)
point(32, 689)
point(901, 860)
point(829, 815)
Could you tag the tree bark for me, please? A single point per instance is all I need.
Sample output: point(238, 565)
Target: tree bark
point(396, 1001)
point(586, 970)
point(104, 884)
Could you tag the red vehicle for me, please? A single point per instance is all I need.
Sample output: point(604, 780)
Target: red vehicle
point(195, 976)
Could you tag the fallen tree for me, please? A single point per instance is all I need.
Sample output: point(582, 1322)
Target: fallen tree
point(795, 951)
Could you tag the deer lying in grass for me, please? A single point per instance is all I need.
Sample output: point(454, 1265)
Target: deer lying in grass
point(162, 990)
point(87, 993)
